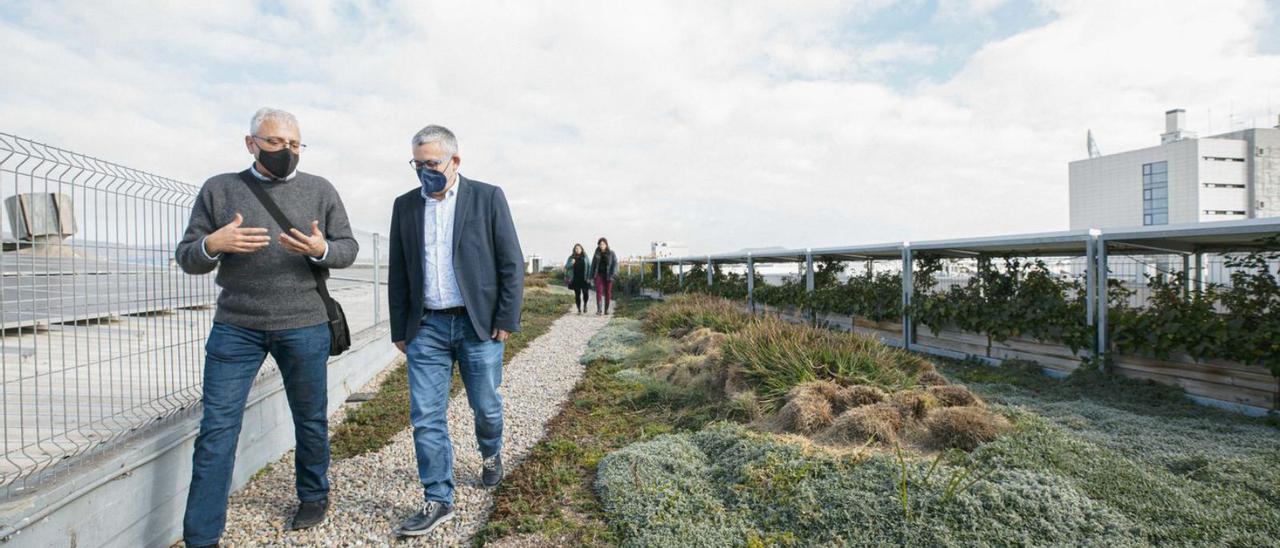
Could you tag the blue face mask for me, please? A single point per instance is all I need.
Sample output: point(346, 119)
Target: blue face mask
point(433, 182)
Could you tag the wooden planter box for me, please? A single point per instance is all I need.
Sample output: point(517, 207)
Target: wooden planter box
point(1221, 382)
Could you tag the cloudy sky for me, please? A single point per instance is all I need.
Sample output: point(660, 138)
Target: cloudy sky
point(721, 124)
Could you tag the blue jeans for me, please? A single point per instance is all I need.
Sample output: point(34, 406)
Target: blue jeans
point(233, 356)
point(442, 339)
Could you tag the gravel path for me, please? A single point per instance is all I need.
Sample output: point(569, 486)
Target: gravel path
point(371, 493)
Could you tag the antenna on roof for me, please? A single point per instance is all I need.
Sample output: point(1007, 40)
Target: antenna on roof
point(1093, 146)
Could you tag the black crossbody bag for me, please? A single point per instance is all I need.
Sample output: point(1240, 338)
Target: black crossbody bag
point(339, 333)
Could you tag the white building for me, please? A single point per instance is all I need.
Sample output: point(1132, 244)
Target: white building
point(660, 249)
point(1183, 180)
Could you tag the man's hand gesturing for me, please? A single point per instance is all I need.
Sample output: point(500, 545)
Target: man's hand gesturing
point(233, 239)
point(312, 244)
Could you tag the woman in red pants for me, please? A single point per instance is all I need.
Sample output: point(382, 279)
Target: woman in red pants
point(604, 265)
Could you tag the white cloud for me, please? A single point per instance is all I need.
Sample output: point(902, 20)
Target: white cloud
point(721, 124)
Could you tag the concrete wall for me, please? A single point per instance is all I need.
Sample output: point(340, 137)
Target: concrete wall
point(135, 496)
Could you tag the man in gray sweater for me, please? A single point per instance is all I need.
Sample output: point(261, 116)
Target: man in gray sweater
point(269, 304)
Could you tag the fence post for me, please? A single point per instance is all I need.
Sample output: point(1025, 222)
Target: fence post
point(377, 279)
point(710, 268)
point(751, 283)
point(1102, 276)
point(908, 331)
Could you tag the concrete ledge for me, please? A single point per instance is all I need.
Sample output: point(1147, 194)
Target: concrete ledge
point(136, 495)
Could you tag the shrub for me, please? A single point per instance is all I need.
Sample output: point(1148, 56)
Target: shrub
point(725, 485)
point(964, 427)
point(614, 342)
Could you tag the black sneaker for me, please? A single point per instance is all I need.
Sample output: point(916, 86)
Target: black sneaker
point(309, 514)
point(491, 470)
point(433, 514)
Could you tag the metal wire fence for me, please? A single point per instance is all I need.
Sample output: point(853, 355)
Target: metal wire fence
point(101, 333)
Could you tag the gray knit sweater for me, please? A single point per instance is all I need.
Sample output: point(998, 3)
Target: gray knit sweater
point(271, 289)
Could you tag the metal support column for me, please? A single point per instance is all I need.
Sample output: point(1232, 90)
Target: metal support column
point(1091, 288)
point(680, 278)
point(908, 331)
point(1186, 274)
point(751, 283)
point(808, 284)
point(1199, 273)
point(710, 269)
point(1102, 276)
point(377, 280)
point(659, 264)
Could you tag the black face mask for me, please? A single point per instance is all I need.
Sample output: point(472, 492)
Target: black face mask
point(279, 163)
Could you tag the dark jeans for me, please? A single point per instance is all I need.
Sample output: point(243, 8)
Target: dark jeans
point(604, 289)
point(233, 356)
point(581, 297)
point(441, 340)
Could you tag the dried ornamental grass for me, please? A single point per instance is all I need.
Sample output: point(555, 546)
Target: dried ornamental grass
point(806, 411)
point(932, 378)
point(879, 422)
point(913, 404)
point(701, 341)
point(964, 427)
point(954, 396)
point(857, 395)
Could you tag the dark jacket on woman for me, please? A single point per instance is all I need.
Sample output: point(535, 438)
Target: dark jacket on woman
point(587, 273)
point(612, 262)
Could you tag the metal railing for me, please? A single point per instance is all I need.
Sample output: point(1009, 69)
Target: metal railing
point(101, 333)
point(1099, 259)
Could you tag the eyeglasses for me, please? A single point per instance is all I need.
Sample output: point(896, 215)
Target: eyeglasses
point(432, 164)
point(278, 143)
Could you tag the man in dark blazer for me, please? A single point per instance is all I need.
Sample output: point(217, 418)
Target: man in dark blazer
point(455, 291)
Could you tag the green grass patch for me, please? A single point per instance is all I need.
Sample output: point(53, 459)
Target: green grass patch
point(371, 426)
point(775, 356)
point(689, 312)
point(551, 493)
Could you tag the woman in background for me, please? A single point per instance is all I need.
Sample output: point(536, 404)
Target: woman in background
point(605, 266)
point(577, 272)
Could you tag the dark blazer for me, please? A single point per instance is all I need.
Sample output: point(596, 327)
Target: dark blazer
point(486, 260)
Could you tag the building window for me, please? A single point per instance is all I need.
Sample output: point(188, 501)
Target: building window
point(1155, 193)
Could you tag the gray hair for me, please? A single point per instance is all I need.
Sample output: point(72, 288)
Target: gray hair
point(437, 134)
point(273, 114)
